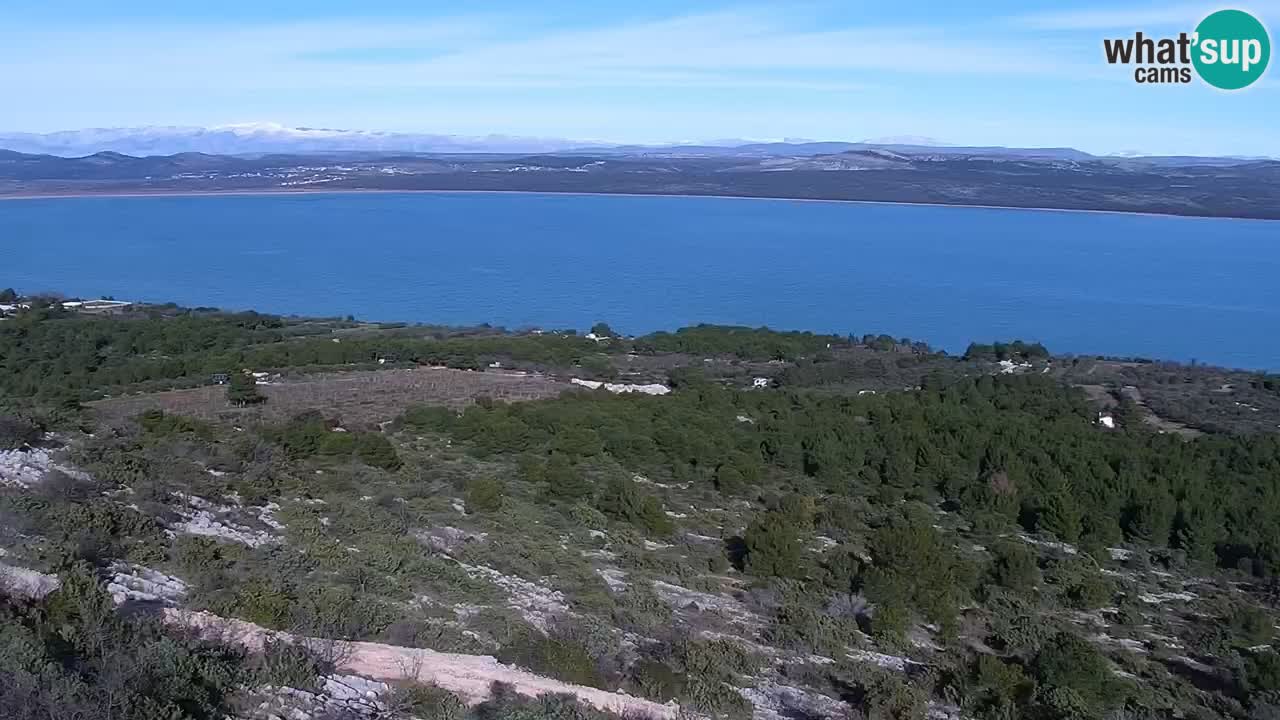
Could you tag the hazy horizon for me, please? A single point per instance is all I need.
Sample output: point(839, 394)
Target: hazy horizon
point(267, 132)
point(1018, 74)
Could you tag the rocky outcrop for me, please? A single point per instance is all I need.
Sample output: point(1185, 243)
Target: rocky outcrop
point(207, 519)
point(23, 583)
point(135, 583)
point(650, 389)
point(538, 605)
point(27, 468)
point(343, 696)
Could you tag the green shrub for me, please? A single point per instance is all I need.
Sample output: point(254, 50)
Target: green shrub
point(888, 623)
point(1068, 661)
point(560, 658)
point(73, 656)
point(93, 528)
point(427, 702)
point(913, 566)
point(506, 704)
point(808, 630)
point(242, 389)
point(584, 515)
point(337, 444)
point(717, 698)
point(623, 500)
point(565, 483)
point(796, 510)
point(712, 669)
point(729, 480)
point(773, 547)
point(1081, 584)
point(375, 450)
point(485, 494)
point(310, 434)
point(1063, 703)
point(641, 610)
point(886, 696)
point(1016, 624)
point(340, 613)
point(995, 686)
point(264, 603)
point(1250, 626)
point(158, 422)
point(1090, 591)
point(723, 658)
point(287, 664)
point(1014, 566)
point(434, 418)
point(1262, 672)
point(657, 680)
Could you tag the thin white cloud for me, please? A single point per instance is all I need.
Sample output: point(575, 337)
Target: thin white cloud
point(1182, 16)
point(751, 72)
point(727, 50)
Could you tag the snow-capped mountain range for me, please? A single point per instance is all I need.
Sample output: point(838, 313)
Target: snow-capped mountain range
point(259, 138)
point(269, 137)
point(256, 138)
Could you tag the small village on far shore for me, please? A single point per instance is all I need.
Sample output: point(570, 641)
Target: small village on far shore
point(104, 306)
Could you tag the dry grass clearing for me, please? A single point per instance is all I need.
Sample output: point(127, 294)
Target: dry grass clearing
point(359, 398)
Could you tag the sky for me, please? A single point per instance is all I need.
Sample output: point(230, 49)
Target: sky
point(997, 72)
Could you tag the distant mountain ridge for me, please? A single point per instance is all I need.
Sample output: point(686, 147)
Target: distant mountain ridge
point(275, 138)
point(1061, 178)
point(256, 138)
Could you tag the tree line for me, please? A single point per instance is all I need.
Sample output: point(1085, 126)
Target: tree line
point(1007, 451)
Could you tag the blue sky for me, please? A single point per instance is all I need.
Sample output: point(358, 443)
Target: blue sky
point(1026, 73)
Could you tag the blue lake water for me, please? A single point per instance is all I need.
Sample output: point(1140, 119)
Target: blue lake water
point(1176, 288)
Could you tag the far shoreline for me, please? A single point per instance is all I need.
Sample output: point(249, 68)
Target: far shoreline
point(267, 192)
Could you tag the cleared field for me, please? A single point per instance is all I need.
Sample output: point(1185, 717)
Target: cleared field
point(362, 397)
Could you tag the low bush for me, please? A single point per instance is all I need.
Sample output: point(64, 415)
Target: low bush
point(1014, 566)
point(1262, 672)
point(506, 704)
point(159, 423)
point(286, 664)
point(485, 494)
point(773, 547)
point(915, 567)
point(1068, 662)
point(810, 631)
point(1080, 583)
point(560, 658)
point(1250, 626)
point(623, 500)
point(375, 450)
point(17, 432)
point(433, 418)
point(73, 656)
point(427, 702)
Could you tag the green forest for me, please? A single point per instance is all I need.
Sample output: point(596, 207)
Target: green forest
point(962, 542)
point(1004, 451)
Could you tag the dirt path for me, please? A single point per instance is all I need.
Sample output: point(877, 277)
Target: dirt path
point(469, 676)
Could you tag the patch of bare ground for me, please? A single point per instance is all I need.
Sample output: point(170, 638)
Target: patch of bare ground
point(1099, 395)
point(359, 397)
point(469, 676)
point(1104, 399)
point(1155, 421)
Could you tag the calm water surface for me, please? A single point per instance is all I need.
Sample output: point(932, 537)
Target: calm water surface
point(1178, 288)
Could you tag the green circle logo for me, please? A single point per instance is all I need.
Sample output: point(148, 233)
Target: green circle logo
point(1232, 49)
